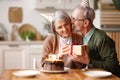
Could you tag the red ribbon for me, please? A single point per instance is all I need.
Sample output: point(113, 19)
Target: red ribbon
point(71, 49)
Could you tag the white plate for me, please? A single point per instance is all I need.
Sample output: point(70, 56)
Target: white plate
point(25, 73)
point(48, 71)
point(98, 74)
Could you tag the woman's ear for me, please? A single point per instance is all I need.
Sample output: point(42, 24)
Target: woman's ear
point(86, 23)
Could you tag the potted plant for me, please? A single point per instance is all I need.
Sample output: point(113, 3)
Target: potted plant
point(27, 35)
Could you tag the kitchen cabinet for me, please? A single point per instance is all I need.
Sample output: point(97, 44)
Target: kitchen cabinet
point(13, 57)
point(50, 4)
point(35, 56)
point(57, 4)
point(20, 55)
point(53, 5)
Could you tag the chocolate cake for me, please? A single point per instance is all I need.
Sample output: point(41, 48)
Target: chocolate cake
point(53, 65)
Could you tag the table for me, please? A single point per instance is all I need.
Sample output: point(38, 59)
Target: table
point(73, 74)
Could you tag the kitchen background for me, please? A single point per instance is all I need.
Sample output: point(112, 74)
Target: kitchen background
point(35, 15)
point(31, 14)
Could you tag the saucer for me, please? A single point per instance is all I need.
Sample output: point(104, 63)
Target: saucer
point(25, 73)
point(98, 74)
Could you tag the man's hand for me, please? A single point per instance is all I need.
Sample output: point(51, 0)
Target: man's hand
point(84, 58)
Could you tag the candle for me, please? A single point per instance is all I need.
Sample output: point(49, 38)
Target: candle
point(34, 63)
point(53, 56)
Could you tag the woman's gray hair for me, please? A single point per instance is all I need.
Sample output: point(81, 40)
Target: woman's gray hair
point(63, 16)
point(89, 13)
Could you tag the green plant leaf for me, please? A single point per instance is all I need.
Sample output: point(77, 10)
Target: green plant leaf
point(28, 34)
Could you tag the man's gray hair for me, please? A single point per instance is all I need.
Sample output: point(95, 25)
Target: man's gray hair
point(89, 13)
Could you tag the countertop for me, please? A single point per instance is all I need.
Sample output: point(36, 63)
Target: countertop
point(20, 42)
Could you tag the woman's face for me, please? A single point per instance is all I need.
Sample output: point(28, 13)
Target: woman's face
point(62, 28)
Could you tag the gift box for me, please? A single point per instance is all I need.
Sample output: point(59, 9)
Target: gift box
point(78, 49)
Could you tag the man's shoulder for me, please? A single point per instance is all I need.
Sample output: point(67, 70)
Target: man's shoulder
point(100, 33)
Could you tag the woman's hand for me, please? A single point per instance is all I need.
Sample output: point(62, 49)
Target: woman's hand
point(64, 50)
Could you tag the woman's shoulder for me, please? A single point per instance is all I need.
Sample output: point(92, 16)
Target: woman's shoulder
point(51, 36)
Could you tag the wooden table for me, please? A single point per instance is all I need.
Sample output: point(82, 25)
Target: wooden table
point(73, 74)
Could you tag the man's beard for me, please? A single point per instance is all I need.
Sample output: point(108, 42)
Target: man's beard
point(76, 29)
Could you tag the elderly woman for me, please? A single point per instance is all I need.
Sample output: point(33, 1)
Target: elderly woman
point(62, 36)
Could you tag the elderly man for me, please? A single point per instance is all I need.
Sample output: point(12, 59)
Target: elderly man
point(102, 53)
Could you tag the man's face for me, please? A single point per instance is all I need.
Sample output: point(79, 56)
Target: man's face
point(77, 19)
